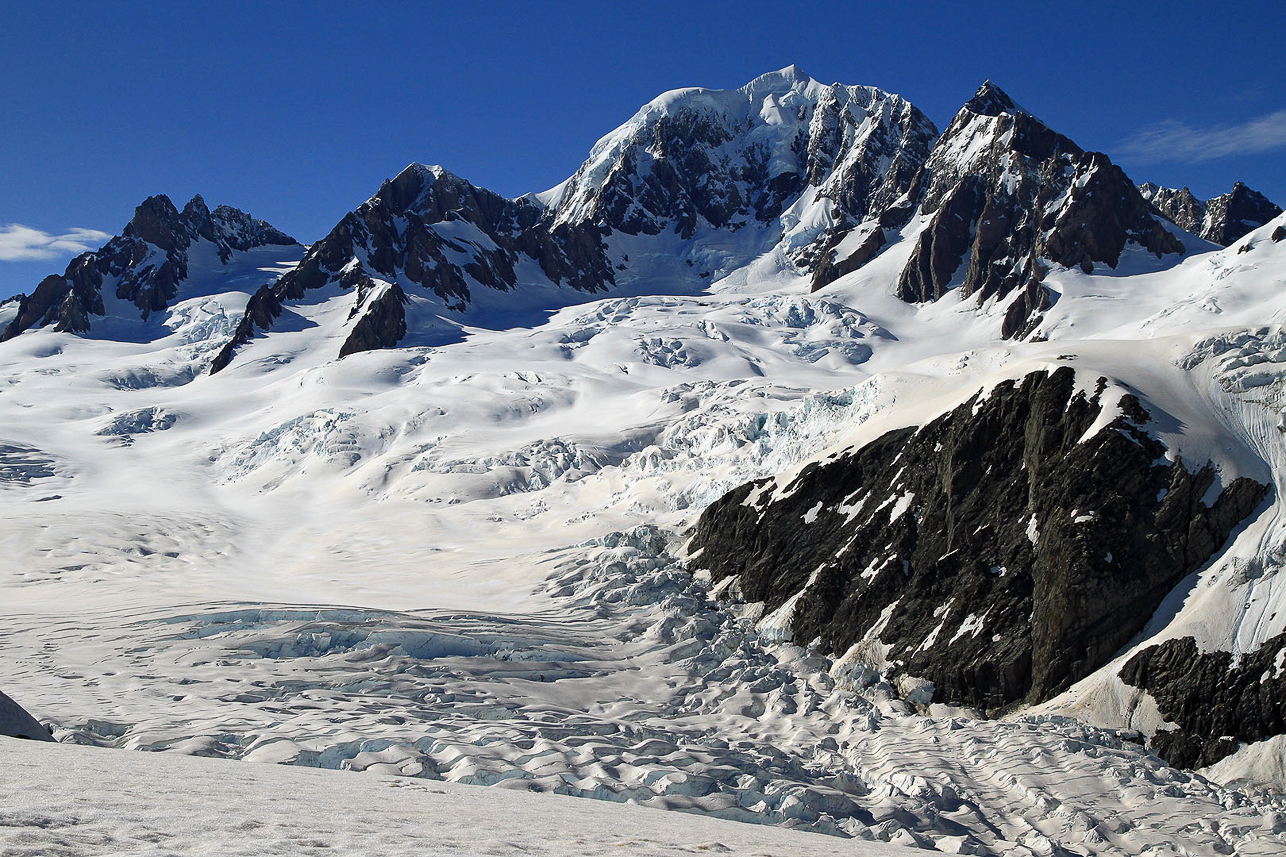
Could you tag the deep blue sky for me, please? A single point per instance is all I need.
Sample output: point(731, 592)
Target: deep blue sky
point(295, 113)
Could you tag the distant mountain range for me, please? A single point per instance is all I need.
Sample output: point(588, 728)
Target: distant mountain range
point(826, 176)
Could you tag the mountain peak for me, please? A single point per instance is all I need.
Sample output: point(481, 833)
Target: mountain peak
point(409, 188)
point(156, 203)
point(991, 100)
point(424, 171)
point(1231, 215)
point(791, 72)
point(780, 82)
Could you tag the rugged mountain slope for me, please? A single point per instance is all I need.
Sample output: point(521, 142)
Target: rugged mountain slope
point(783, 159)
point(145, 265)
point(1002, 551)
point(1178, 204)
point(695, 187)
point(1217, 703)
point(1236, 213)
point(433, 230)
point(1221, 220)
point(1005, 197)
point(701, 183)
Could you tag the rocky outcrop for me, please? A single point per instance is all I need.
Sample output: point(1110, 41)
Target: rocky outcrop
point(1216, 703)
point(1179, 205)
point(998, 551)
point(1221, 220)
point(857, 253)
point(1005, 197)
point(1236, 213)
point(144, 265)
point(15, 722)
point(380, 318)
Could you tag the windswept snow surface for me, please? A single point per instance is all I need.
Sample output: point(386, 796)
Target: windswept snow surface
point(463, 562)
point(67, 800)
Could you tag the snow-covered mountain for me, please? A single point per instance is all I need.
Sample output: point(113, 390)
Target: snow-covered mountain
point(1015, 198)
point(787, 464)
point(698, 184)
point(144, 269)
point(784, 153)
point(701, 184)
point(445, 240)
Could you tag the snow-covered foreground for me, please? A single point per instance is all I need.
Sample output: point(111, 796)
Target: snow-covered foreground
point(632, 687)
point(463, 563)
point(72, 801)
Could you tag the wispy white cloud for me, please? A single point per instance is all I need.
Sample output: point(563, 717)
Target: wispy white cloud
point(1175, 141)
point(20, 243)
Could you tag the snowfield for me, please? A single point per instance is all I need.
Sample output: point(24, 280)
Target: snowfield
point(462, 564)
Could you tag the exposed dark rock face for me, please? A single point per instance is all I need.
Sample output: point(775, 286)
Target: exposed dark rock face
point(1215, 703)
point(1221, 220)
point(148, 261)
point(1232, 215)
point(66, 302)
point(438, 231)
point(1003, 191)
point(15, 722)
point(381, 318)
point(831, 267)
point(996, 551)
point(727, 159)
point(1279, 233)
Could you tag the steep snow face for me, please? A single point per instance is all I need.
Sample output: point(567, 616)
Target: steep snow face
point(782, 152)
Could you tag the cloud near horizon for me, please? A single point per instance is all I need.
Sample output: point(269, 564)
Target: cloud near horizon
point(20, 243)
point(1175, 141)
